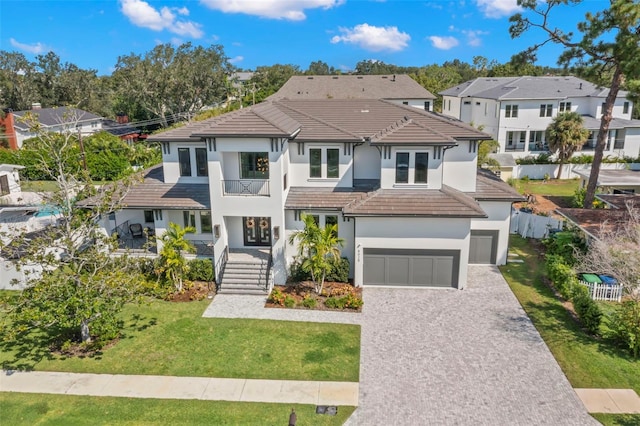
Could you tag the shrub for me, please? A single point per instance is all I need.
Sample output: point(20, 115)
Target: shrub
point(334, 303)
point(350, 301)
point(289, 301)
point(561, 274)
point(511, 182)
point(309, 302)
point(339, 272)
point(277, 297)
point(565, 244)
point(587, 310)
point(625, 326)
point(200, 270)
point(341, 290)
point(578, 197)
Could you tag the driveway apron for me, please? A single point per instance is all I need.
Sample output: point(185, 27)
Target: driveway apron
point(463, 357)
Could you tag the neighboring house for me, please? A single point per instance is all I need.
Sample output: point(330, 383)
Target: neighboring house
point(9, 181)
point(62, 119)
point(613, 181)
point(516, 111)
point(400, 89)
point(401, 184)
point(122, 129)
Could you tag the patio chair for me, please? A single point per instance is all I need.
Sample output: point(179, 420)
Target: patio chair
point(136, 230)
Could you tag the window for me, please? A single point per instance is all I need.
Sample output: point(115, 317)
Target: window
point(625, 108)
point(202, 168)
point(315, 163)
point(511, 111)
point(427, 106)
point(402, 167)
point(602, 108)
point(331, 220)
point(449, 105)
point(536, 140)
point(284, 181)
point(254, 165)
point(189, 218)
point(405, 103)
point(184, 158)
point(94, 124)
point(510, 138)
point(316, 219)
point(564, 107)
point(546, 110)
point(421, 168)
point(4, 185)
point(485, 108)
point(333, 160)
point(148, 216)
point(467, 102)
point(205, 222)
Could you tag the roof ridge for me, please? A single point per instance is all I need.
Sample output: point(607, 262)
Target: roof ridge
point(393, 127)
point(257, 110)
point(356, 203)
point(462, 197)
point(319, 120)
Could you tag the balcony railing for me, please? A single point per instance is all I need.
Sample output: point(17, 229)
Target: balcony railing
point(514, 148)
point(538, 147)
point(252, 187)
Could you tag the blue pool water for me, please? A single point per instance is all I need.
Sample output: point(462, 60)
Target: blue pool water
point(47, 211)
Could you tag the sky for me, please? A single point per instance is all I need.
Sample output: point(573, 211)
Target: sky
point(92, 34)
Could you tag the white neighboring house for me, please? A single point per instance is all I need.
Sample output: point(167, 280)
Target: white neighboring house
point(516, 111)
point(9, 182)
point(400, 89)
point(401, 183)
point(57, 120)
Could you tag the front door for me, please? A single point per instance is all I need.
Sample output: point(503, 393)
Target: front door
point(257, 231)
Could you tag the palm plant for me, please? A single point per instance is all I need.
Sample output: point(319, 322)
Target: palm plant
point(172, 263)
point(565, 136)
point(318, 247)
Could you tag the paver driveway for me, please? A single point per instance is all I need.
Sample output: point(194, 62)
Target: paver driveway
point(470, 357)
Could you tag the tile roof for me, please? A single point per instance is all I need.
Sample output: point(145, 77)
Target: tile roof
point(621, 201)
point(592, 123)
point(594, 221)
point(527, 87)
point(489, 187)
point(55, 116)
point(322, 198)
point(612, 177)
point(352, 87)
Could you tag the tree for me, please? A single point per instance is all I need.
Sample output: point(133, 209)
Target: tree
point(172, 262)
point(319, 68)
point(169, 81)
point(608, 44)
point(565, 136)
point(81, 287)
point(17, 87)
point(318, 247)
point(267, 80)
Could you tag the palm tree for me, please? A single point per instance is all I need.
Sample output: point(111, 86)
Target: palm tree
point(319, 249)
point(172, 262)
point(565, 136)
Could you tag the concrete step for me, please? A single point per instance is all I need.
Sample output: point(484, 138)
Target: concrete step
point(242, 263)
point(245, 292)
point(241, 281)
point(243, 275)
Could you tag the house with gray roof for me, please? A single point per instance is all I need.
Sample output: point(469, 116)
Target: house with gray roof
point(516, 111)
point(400, 89)
point(61, 119)
point(400, 183)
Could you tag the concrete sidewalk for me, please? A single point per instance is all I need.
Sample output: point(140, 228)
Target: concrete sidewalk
point(172, 387)
point(612, 401)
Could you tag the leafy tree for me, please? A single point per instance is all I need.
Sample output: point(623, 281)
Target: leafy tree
point(608, 43)
point(319, 249)
point(436, 78)
point(81, 287)
point(319, 68)
point(484, 149)
point(267, 80)
point(565, 136)
point(17, 87)
point(167, 81)
point(172, 262)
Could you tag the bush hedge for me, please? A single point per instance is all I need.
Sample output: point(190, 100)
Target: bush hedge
point(339, 272)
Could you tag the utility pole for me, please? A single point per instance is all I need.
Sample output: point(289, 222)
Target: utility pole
point(84, 159)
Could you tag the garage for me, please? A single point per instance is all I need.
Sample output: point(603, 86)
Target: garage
point(483, 247)
point(411, 267)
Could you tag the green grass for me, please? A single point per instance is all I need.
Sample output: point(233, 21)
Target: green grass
point(30, 409)
point(553, 187)
point(587, 362)
point(165, 338)
point(617, 419)
point(39, 186)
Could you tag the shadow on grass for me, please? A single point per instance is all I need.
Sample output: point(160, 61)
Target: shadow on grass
point(562, 201)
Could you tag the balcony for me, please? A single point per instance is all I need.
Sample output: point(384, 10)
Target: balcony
point(538, 147)
point(511, 148)
point(246, 187)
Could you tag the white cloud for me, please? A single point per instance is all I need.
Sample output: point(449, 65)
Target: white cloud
point(236, 59)
point(444, 43)
point(142, 14)
point(177, 41)
point(35, 48)
point(292, 10)
point(473, 37)
point(373, 38)
point(498, 8)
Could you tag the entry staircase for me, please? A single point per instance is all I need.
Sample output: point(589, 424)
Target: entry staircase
point(246, 272)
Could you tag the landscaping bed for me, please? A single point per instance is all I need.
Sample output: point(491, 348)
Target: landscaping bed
point(335, 296)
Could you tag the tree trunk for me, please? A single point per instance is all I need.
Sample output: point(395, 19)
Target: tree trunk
point(560, 169)
point(603, 133)
point(84, 331)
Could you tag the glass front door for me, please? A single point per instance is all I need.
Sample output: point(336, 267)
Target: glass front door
point(257, 231)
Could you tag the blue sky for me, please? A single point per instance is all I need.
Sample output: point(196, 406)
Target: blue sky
point(92, 34)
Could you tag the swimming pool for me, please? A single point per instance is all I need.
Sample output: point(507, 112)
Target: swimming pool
point(47, 211)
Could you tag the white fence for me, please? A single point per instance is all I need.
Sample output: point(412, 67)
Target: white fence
point(537, 171)
point(612, 293)
point(532, 225)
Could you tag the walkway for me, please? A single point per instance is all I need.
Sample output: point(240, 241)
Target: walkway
point(172, 387)
point(612, 401)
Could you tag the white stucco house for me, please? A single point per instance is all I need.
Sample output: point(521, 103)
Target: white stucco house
point(516, 111)
point(9, 181)
point(400, 182)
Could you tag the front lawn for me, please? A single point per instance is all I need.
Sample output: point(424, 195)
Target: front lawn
point(164, 338)
point(30, 409)
point(553, 187)
point(587, 362)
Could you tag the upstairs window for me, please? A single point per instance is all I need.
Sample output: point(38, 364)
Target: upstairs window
point(333, 163)
point(315, 163)
point(625, 108)
point(546, 110)
point(254, 165)
point(205, 221)
point(427, 106)
point(421, 168)
point(189, 218)
point(184, 158)
point(511, 111)
point(202, 168)
point(564, 107)
point(402, 167)
point(148, 216)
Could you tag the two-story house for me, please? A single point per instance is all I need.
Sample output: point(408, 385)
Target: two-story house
point(400, 89)
point(57, 120)
point(516, 111)
point(401, 183)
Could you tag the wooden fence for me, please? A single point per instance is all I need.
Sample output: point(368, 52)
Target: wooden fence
point(604, 291)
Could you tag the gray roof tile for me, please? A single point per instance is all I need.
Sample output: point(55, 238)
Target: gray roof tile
point(55, 116)
point(489, 187)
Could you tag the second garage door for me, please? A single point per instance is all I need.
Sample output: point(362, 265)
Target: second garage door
point(483, 246)
point(422, 268)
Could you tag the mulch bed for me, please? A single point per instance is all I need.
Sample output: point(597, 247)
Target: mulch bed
point(298, 291)
point(196, 290)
